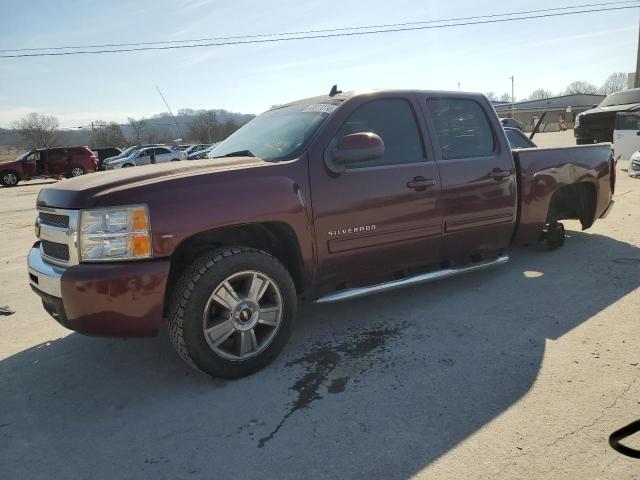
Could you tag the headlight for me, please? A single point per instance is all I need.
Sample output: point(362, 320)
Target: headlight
point(119, 233)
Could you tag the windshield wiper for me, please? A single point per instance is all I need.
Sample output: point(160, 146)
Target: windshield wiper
point(239, 153)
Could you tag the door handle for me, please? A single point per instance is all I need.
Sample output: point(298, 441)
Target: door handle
point(499, 174)
point(420, 183)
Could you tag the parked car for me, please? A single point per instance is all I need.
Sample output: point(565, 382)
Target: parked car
point(517, 139)
point(626, 136)
point(511, 123)
point(634, 165)
point(103, 154)
point(48, 163)
point(597, 125)
point(202, 153)
point(128, 151)
point(407, 187)
point(146, 156)
point(196, 148)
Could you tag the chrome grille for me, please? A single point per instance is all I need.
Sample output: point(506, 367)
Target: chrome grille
point(60, 221)
point(59, 251)
point(58, 231)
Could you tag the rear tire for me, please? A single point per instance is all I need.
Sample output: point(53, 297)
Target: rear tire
point(127, 165)
point(175, 159)
point(75, 171)
point(9, 178)
point(232, 312)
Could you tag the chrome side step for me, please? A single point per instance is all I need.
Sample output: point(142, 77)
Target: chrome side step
point(350, 293)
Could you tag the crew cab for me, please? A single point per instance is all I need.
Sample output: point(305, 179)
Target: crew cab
point(597, 125)
point(328, 198)
point(48, 163)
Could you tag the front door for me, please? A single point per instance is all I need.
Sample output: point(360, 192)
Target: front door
point(626, 139)
point(29, 165)
point(478, 177)
point(381, 216)
point(144, 157)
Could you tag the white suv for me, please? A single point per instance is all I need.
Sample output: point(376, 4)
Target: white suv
point(146, 156)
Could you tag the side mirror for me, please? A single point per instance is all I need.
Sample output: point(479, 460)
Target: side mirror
point(354, 148)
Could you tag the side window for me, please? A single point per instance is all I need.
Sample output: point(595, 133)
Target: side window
point(393, 120)
point(162, 151)
point(56, 155)
point(628, 122)
point(462, 127)
point(516, 140)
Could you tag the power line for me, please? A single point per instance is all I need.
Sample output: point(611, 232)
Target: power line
point(327, 30)
point(309, 37)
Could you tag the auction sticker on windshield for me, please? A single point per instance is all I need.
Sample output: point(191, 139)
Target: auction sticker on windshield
point(321, 107)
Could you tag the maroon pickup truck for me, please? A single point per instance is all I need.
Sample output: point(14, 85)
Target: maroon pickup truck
point(328, 198)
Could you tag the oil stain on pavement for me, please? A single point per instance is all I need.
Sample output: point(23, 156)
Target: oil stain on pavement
point(323, 359)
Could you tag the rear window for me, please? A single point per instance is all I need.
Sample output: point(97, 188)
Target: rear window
point(462, 127)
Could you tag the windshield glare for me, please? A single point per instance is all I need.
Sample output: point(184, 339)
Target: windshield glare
point(621, 98)
point(278, 134)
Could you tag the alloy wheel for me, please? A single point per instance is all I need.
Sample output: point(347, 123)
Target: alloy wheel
point(243, 315)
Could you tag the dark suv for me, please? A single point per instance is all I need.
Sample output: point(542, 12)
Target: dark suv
point(48, 162)
point(596, 125)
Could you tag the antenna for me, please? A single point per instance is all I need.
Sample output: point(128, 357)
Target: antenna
point(172, 115)
point(334, 91)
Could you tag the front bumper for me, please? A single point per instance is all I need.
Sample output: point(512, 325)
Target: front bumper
point(124, 299)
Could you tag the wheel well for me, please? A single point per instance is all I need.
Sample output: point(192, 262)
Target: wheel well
point(575, 202)
point(275, 238)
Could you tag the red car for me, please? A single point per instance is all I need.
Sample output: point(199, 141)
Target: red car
point(49, 162)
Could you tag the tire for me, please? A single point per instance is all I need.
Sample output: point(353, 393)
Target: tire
point(127, 165)
point(175, 159)
point(75, 171)
point(555, 236)
point(9, 178)
point(194, 308)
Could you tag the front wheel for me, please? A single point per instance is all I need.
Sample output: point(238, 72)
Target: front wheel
point(9, 178)
point(555, 236)
point(232, 312)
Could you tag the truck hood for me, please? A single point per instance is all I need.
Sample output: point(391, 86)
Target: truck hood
point(629, 107)
point(88, 190)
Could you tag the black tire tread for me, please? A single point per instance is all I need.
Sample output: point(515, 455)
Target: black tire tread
point(184, 288)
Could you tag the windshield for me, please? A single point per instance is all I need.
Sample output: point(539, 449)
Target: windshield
point(621, 98)
point(22, 157)
point(278, 134)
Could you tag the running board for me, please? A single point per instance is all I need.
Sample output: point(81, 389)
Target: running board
point(350, 293)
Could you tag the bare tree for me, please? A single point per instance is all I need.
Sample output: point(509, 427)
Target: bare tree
point(204, 127)
point(614, 83)
point(505, 97)
point(540, 94)
point(138, 126)
point(38, 131)
point(491, 96)
point(108, 135)
point(580, 86)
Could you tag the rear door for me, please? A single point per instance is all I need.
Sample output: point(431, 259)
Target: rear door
point(478, 176)
point(626, 139)
point(164, 154)
point(380, 216)
point(56, 161)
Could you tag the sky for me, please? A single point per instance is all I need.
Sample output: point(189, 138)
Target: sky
point(545, 53)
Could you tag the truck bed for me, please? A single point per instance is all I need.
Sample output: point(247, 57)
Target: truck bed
point(579, 180)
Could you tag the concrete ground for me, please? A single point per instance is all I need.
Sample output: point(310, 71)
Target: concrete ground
point(518, 372)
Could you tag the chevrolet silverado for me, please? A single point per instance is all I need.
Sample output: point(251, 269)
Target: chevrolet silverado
point(328, 198)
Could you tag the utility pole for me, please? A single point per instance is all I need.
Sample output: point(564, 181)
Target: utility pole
point(513, 98)
point(458, 86)
point(636, 82)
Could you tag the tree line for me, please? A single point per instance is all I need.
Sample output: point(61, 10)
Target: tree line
point(614, 83)
point(203, 126)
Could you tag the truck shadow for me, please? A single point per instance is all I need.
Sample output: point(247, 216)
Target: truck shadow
point(373, 388)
